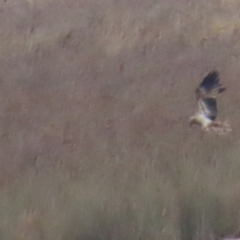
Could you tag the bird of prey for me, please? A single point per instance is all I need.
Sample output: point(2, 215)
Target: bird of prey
point(207, 109)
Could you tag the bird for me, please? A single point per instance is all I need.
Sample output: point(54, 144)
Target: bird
point(207, 108)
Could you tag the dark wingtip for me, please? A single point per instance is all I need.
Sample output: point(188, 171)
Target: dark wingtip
point(210, 81)
point(213, 74)
point(222, 89)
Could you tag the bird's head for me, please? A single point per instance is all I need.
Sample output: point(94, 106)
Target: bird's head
point(194, 120)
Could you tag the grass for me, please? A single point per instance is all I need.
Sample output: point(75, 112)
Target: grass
point(191, 203)
point(95, 142)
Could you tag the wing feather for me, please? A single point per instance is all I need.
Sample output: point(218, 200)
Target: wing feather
point(210, 83)
point(208, 107)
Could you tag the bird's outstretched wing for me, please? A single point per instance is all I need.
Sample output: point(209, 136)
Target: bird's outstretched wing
point(208, 107)
point(210, 83)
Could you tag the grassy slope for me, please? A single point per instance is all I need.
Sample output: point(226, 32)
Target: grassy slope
point(95, 99)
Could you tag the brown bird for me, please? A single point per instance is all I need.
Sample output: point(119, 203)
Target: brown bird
point(207, 110)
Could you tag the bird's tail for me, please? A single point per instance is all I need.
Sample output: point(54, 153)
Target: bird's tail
point(221, 128)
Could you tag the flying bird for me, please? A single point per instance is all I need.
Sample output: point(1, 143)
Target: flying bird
point(207, 110)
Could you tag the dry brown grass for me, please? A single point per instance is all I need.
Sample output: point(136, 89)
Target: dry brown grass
point(95, 99)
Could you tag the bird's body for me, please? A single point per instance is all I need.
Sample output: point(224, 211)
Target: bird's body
point(201, 119)
point(207, 110)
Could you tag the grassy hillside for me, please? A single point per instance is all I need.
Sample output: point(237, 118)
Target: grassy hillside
point(95, 98)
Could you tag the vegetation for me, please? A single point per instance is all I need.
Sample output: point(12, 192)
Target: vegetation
point(94, 136)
